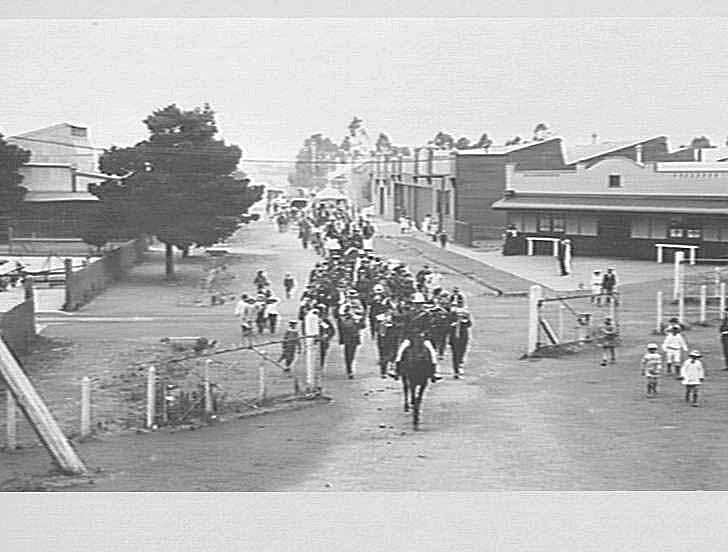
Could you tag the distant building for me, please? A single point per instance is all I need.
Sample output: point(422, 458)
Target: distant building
point(480, 175)
point(62, 165)
point(415, 186)
point(621, 207)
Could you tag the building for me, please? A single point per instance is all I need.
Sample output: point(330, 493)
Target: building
point(480, 175)
point(62, 165)
point(621, 207)
point(415, 186)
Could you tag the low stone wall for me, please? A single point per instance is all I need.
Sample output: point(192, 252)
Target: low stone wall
point(17, 327)
point(85, 284)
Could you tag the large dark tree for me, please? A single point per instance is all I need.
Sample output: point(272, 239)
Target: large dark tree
point(177, 184)
point(12, 158)
point(443, 140)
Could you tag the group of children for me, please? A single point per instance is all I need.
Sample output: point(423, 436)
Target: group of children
point(691, 372)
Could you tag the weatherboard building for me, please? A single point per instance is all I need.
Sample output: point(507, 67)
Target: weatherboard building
point(621, 207)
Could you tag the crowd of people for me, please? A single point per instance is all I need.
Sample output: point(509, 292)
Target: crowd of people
point(354, 296)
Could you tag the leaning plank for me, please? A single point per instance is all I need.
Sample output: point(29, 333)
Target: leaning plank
point(38, 415)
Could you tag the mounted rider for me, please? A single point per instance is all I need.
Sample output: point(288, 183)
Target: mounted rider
point(415, 346)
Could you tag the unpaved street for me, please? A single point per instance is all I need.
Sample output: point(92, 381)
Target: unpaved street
point(551, 424)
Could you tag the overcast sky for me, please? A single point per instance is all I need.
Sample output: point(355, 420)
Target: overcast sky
point(273, 82)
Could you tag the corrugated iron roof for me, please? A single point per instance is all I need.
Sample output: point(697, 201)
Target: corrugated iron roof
point(39, 197)
point(583, 152)
point(503, 150)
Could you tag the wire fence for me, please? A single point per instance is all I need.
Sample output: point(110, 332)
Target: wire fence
point(195, 382)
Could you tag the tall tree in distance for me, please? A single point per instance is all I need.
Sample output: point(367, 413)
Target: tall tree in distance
point(514, 141)
point(540, 132)
point(462, 143)
point(12, 158)
point(443, 140)
point(177, 184)
point(700, 142)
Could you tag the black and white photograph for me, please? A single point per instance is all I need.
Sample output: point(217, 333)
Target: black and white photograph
point(363, 254)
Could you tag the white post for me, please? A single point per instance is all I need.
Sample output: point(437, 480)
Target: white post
point(692, 255)
point(659, 253)
point(555, 248)
point(529, 243)
point(12, 421)
point(613, 308)
point(658, 325)
point(703, 302)
point(151, 396)
point(85, 406)
point(310, 328)
point(261, 382)
point(721, 299)
point(208, 393)
point(562, 308)
point(716, 281)
point(534, 296)
point(681, 304)
point(679, 257)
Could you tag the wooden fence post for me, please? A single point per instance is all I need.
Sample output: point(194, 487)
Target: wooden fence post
point(534, 298)
point(85, 406)
point(11, 420)
point(681, 304)
point(151, 396)
point(679, 257)
point(721, 299)
point(658, 325)
point(208, 393)
point(703, 302)
point(261, 382)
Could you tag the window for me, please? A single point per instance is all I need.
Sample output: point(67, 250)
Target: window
point(78, 131)
point(615, 181)
point(675, 232)
point(544, 223)
point(551, 224)
point(694, 233)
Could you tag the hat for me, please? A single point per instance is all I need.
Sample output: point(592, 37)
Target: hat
point(292, 322)
point(695, 353)
point(352, 293)
point(651, 346)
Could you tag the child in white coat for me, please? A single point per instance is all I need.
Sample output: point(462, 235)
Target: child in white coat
point(692, 375)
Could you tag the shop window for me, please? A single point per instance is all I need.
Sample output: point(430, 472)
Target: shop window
point(615, 181)
point(675, 232)
point(557, 225)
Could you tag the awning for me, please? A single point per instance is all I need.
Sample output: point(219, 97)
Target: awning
point(43, 197)
point(633, 204)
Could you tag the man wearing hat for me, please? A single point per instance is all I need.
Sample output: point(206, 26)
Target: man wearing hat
point(290, 345)
point(349, 328)
point(692, 374)
point(459, 335)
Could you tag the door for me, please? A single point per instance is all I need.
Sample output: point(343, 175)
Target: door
point(614, 235)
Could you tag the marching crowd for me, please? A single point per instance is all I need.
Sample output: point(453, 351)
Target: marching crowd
point(352, 293)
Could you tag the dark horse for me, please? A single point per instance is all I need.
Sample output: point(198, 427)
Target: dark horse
point(415, 368)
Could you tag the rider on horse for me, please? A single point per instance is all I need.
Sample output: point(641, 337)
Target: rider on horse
point(418, 340)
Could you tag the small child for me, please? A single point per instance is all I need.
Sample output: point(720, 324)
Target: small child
point(651, 367)
point(693, 375)
point(288, 284)
point(291, 345)
point(673, 344)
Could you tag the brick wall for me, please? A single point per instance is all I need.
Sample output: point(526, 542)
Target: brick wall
point(85, 284)
point(17, 327)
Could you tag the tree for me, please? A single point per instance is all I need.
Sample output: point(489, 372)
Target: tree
point(12, 193)
point(442, 140)
point(177, 184)
point(383, 144)
point(700, 142)
point(540, 132)
point(462, 143)
point(483, 142)
point(514, 141)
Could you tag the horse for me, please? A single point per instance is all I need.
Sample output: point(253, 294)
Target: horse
point(415, 368)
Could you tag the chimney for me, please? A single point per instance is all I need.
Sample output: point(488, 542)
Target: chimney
point(638, 153)
point(594, 138)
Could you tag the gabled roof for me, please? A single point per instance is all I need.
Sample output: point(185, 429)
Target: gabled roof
point(579, 153)
point(504, 150)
